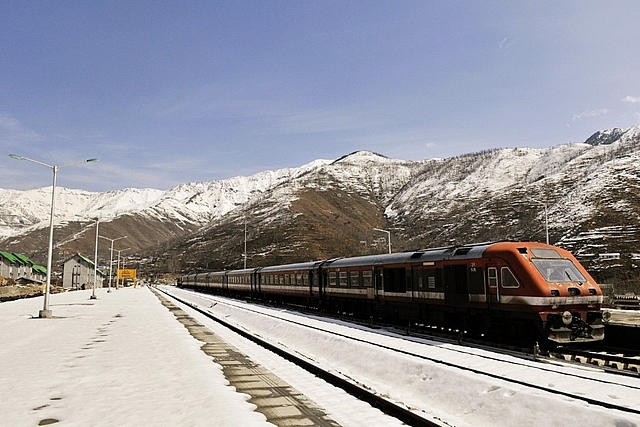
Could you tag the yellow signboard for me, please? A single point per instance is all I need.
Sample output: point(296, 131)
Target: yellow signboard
point(127, 274)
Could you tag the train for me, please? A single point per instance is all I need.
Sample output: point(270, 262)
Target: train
point(503, 289)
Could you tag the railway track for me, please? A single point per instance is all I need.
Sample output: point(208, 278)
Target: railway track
point(404, 414)
point(446, 353)
point(611, 360)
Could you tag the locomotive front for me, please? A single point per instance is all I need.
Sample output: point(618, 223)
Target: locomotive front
point(565, 296)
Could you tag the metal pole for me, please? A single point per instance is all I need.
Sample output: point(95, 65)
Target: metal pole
point(546, 216)
point(110, 267)
point(546, 222)
point(95, 262)
point(245, 242)
point(388, 237)
point(118, 271)
point(45, 312)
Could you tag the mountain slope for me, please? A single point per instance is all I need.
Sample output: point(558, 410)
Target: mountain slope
point(591, 192)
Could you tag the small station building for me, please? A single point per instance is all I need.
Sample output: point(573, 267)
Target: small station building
point(78, 271)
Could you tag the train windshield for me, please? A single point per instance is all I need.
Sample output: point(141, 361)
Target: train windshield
point(558, 270)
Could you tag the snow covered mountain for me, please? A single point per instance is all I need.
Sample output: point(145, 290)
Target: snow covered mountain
point(590, 190)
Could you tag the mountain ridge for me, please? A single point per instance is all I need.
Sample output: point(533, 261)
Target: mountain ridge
point(327, 208)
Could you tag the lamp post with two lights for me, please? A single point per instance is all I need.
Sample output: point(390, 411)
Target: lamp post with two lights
point(118, 265)
point(111, 258)
point(46, 312)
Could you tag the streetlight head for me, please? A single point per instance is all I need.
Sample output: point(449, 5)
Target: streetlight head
point(16, 157)
point(91, 160)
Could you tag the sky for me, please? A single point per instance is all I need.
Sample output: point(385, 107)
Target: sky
point(165, 92)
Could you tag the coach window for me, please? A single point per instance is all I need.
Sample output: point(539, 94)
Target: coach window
point(508, 279)
point(343, 278)
point(354, 278)
point(333, 278)
point(299, 281)
point(493, 277)
point(367, 279)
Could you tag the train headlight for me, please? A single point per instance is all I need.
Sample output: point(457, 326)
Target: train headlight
point(606, 316)
point(567, 317)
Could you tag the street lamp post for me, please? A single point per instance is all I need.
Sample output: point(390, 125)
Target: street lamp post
point(388, 237)
point(118, 267)
point(546, 216)
point(111, 258)
point(244, 255)
point(95, 261)
point(46, 312)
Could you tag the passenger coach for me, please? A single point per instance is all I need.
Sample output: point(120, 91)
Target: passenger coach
point(505, 288)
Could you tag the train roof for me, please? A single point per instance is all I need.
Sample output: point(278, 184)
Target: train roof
point(422, 255)
point(470, 251)
point(241, 271)
point(296, 266)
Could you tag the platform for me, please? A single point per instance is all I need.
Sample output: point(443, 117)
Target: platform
point(126, 359)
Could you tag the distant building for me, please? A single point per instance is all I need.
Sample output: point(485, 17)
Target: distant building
point(20, 267)
point(78, 273)
point(612, 255)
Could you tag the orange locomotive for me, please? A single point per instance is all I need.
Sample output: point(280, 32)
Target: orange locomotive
point(509, 289)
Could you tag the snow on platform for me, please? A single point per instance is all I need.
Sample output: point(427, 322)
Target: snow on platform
point(122, 359)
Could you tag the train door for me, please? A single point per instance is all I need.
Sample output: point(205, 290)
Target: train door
point(476, 285)
point(323, 280)
point(255, 284)
point(493, 290)
point(456, 286)
point(378, 282)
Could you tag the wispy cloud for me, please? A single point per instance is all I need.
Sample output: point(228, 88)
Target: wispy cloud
point(13, 131)
point(505, 43)
point(590, 113)
point(631, 99)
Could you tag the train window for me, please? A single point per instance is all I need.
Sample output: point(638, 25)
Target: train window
point(395, 280)
point(493, 277)
point(343, 278)
point(418, 279)
point(354, 278)
point(508, 279)
point(333, 278)
point(558, 270)
point(367, 279)
point(299, 280)
point(545, 253)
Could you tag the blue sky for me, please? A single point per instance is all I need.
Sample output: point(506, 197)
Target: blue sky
point(168, 92)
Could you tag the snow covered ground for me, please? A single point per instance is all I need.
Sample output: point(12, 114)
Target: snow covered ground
point(121, 360)
point(459, 396)
point(125, 360)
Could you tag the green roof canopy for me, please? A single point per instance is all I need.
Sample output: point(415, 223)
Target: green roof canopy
point(12, 259)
